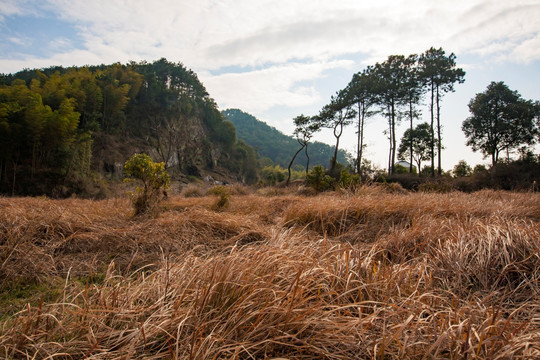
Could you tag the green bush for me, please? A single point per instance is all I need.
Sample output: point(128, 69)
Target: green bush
point(462, 169)
point(318, 179)
point(155, 180)
point(400, 169)
point(348, 180)
point(272, 175)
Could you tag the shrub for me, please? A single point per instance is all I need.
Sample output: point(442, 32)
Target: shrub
point(272, 175)
point(155, 180)
point(462, 169)
point(400, 169)
point(223, 194)
point(347, 180)
point(436, 185)
point(318, 179)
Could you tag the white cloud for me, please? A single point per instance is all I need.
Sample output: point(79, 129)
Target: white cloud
point(527, 51)
point(209, 34)
point(11, 7)
point(259, 90)
point(18, 40)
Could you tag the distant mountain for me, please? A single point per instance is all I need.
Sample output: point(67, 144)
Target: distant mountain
point(272, 143)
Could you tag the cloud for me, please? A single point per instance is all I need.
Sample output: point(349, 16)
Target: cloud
point(210, 34)
point(498, 30)
point(11, 7)
point(259, 90)
point(18, 40)
point(60, 44)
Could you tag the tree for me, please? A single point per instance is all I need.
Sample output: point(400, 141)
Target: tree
point(305, 127)
point(391, 76)
point(361, 90)
point(439, 74)
point(412, 92)
point(501, 120)
point(336, 115)
point(154, 179)
point(462, 169)
point(419, 140)
point(277, 146)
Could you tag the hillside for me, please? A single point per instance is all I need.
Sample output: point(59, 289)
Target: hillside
point(63, 130)
point(277, 146)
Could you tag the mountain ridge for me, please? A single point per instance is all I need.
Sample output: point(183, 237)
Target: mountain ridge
point(273, 144)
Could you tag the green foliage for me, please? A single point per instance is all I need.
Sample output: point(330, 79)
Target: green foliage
point(426, 171)
point(273, 144)
point(348, 180)
point(479, 168)
point(155, 180)
point(438, 73)
point(243, 161)
point(35, 137)
point(223, 193)
point(462, 169)
point(273, 174)
point(318, 180)
point(399, 169)
point(74, 122)
point(361, 90)
point(18, 294)
point(419, 138)
point(336, 116)
point(501, 120)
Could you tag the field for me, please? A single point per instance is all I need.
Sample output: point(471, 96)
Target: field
point(274, 273)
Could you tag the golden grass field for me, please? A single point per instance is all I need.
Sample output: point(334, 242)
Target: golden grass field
point(368, 274)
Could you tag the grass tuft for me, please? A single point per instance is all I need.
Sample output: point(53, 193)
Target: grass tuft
point(363, 274)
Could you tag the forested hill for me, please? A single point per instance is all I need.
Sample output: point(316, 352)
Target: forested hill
point(62, 130)
point(275, 145)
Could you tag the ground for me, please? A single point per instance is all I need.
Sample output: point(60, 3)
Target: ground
point(275, 272)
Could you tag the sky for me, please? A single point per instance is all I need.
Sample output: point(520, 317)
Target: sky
point(277, 59)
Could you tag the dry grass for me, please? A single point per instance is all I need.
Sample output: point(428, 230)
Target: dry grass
point(365, 275)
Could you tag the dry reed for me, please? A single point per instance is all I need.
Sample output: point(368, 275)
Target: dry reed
point(365, 275)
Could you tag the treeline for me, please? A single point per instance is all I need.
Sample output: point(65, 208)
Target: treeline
point(59, 127)
point(272, 144)
point(501, 122)
point(394, 88)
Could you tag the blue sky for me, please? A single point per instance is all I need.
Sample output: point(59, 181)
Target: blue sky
point(277, 59)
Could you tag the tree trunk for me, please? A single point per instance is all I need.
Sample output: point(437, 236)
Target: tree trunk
point(360, 142)
point(411, 139)
point(307, 157)
point(393, 138)
point(290, 164)
point(432, 131)
point(337, 135)
point(390, 167)
point(439, 144)
point(14, 177)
